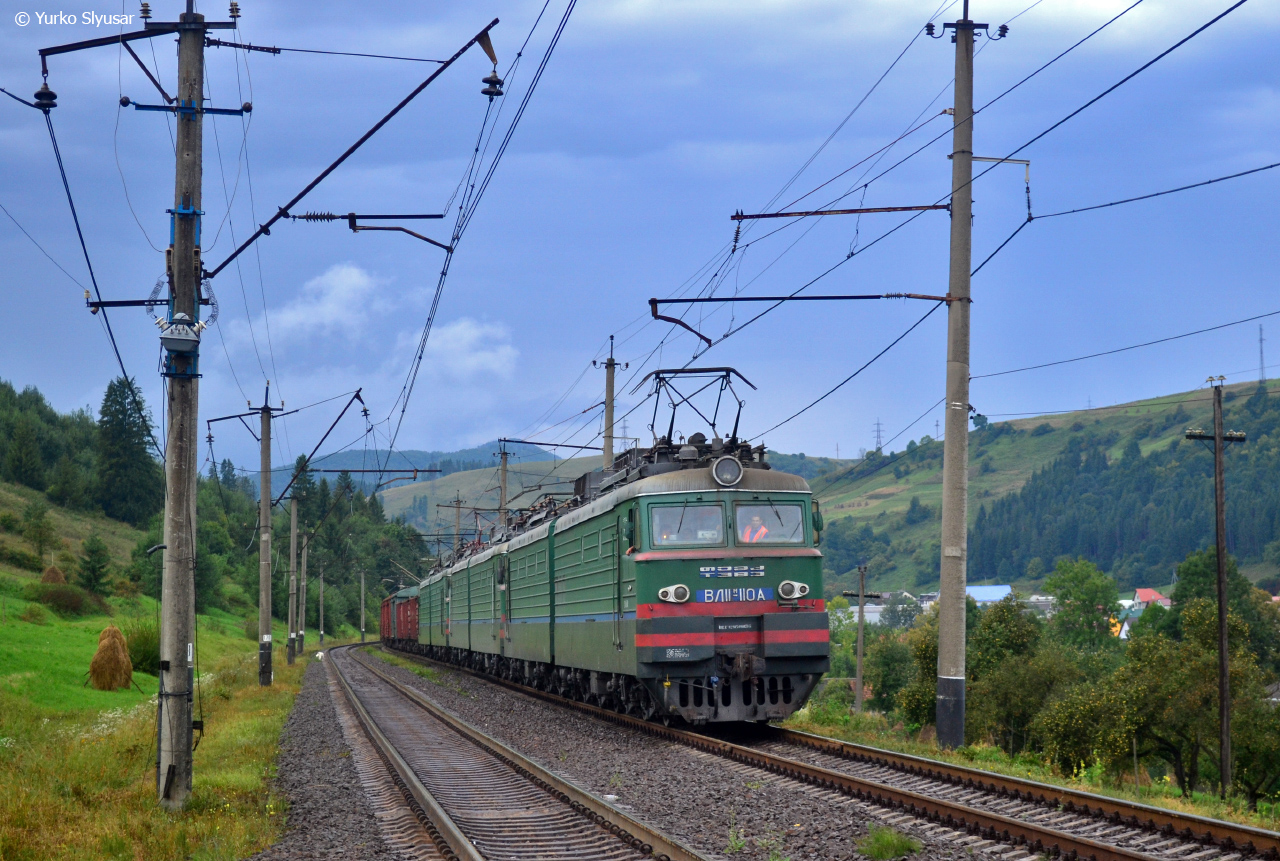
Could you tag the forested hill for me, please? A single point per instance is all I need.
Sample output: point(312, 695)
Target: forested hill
point(1139, 514)
point(1119, 486)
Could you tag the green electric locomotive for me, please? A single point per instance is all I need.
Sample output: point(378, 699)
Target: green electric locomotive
point(684, 582)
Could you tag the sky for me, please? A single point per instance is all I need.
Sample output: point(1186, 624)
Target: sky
point(651, 124)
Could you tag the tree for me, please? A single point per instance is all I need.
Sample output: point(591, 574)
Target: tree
point(94, 564)
point(22, 463)
point(899, 612)
point(1087, 601)
point(67, 485)
point(38, 529)
point(887, 668)
point(1006, 700)
point(1198, 578)
point(1004, 631)
point(130, 481)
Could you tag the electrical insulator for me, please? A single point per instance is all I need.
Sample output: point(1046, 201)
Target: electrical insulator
point(928, 29)
point(235, 10)
point(493, 84)
point(1003, 31)
point(46, 98)
point(146, 12)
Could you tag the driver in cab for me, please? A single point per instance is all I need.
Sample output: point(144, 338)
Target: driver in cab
point(755, 530)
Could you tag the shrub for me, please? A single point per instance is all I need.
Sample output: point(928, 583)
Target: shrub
point(143, 641)
point(34, 614)
point(20, 558)
point(9, 522)
point(65, 599)
point(1042, 429)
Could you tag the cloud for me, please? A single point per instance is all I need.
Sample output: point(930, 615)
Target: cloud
point(464, 349)
point(337, 303)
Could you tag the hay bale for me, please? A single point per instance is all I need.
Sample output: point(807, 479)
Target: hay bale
point(53, 574)
point(111, 668)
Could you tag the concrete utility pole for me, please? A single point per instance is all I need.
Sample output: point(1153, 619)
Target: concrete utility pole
point(322, 605)
point(362, 605)
point(1220, 439)
point(955, 457)
point(302, 596)
point(293, 579)
point(177, 601)
point(264, 548)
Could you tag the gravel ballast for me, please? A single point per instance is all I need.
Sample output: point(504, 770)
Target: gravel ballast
point(329, 815)
point(721, 808)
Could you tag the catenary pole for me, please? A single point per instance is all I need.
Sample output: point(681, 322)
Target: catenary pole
point(302, 595)
point(293, 580)
point(955, 481)
point(502, 486)
point(322, 605)
point(264, 548)
point(362, 605)
point(609, 367)
point(177, 599)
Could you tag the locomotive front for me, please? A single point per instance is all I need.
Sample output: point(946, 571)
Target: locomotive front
point(730, 619)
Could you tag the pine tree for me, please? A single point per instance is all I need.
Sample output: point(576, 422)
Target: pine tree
point(67, 484)
point(94, 565)
point(38, 529)
point(130, 481)
point(23, 463)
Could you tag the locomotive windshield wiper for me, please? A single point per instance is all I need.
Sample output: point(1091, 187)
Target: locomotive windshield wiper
point(680, 524)
point(778, 514)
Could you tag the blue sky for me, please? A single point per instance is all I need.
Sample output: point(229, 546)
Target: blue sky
point(652, 124)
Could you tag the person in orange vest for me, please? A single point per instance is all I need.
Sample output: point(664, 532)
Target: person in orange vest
point(755, 530)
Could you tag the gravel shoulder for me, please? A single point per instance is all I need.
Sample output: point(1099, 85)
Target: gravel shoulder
point(723, 809)
point(329, 815)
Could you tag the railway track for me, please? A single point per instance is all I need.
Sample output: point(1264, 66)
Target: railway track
point(1025, 815)
point(477, 799)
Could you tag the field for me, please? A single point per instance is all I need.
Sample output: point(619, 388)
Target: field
point(77, 765)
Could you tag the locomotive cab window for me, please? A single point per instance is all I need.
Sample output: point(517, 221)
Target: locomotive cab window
point(680, 525)
point(769, 523)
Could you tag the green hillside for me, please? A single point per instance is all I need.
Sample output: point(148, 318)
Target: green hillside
point(886, 510)
point(417, 502)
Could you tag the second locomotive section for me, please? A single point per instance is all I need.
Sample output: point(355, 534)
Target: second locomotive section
point(668, 595)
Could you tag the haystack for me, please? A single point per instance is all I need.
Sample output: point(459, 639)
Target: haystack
point(111, 668)
point(53, 574)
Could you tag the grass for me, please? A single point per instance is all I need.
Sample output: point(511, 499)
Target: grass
point(883, 843)
point(77, 766)
point(874, 729)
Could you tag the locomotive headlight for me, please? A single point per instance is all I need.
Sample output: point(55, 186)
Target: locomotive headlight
point(677, 594)
point(790, 589)
point(727, 471)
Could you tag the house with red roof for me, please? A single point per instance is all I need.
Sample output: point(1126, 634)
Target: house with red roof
point(1143, 598)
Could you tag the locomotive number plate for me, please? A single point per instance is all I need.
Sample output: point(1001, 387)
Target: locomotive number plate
point(741, 593)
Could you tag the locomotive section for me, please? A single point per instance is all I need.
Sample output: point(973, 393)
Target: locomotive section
point(684, 583)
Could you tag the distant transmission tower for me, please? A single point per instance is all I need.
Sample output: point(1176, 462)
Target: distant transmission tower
point(1262, 364)
point(879, 432)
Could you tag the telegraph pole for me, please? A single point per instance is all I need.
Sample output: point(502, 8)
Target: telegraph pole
point(1220, 439)
point(177, 602)
point(863, 595)
point(264, 547)
point(610, 366)
point(955, 458)
point(293, 579)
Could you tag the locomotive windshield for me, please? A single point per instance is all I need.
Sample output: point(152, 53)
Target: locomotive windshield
point(675, 525)
point(771, 523)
